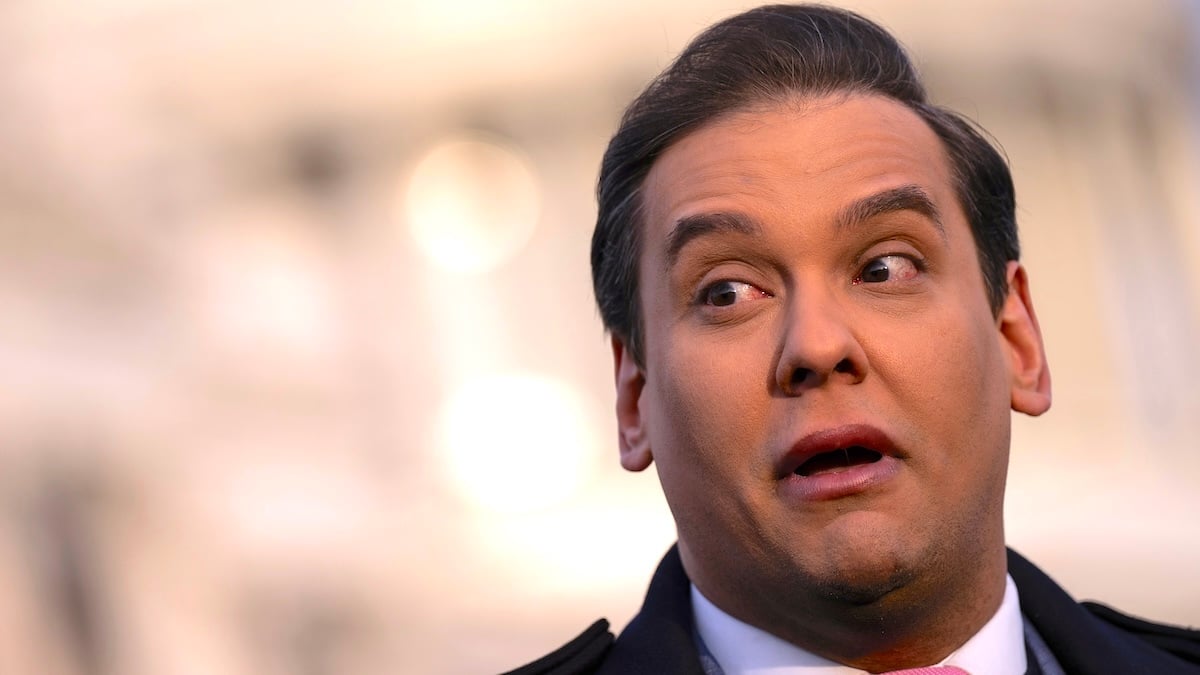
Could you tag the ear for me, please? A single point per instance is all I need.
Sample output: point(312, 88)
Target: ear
point(1022, 339)
point(631, 430)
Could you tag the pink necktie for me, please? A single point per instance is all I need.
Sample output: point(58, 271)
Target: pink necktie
point(931, 670)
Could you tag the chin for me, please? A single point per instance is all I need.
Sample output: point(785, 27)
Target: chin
point(861, 587)
point(864, 571)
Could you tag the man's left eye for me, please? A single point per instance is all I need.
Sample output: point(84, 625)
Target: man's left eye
point(888, 268)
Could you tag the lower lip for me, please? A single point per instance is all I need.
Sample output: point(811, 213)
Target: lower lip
point(835, 485)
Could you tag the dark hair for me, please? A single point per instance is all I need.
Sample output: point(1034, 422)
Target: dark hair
point(772, 54)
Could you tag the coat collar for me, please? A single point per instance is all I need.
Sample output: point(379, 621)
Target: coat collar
point(660, 639)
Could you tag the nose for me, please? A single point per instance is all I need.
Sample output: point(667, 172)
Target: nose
point(819, 347)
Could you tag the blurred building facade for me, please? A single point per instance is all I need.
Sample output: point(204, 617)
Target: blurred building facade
point(302, 373)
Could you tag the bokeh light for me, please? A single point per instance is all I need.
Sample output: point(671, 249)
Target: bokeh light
point(472, 202)
point(517, 442)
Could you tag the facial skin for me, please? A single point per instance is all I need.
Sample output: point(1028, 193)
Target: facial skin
point(808, 277)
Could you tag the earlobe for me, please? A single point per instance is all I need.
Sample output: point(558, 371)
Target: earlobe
point(1030, 374)
point(631, 430)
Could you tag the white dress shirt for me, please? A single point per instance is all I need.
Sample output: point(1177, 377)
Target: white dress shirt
point(741, 649)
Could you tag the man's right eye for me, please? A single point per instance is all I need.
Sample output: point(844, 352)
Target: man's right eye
point(726, 292)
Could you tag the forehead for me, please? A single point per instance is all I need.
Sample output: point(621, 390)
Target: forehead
point(796, 159)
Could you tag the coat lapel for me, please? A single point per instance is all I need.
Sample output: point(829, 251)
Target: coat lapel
point(659, 640)
point(1082, 643)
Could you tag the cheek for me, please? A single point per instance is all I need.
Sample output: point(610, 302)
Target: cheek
point(958, 383)
point(952, 356)
point(707, 409)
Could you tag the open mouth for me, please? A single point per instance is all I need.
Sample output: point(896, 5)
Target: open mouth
point(837, 460)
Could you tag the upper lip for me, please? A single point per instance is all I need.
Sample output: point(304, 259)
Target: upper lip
point(835, 438)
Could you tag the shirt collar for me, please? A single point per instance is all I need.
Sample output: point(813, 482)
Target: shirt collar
point(741, 649)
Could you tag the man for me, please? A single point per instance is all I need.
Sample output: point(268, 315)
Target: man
point(819, 328)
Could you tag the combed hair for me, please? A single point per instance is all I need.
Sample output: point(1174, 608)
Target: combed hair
point(766, 55)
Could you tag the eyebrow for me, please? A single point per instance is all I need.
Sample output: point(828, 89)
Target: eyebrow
point(902, 198)
point(690, 228)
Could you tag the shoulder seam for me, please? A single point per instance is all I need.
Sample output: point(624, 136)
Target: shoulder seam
point(1179, 641)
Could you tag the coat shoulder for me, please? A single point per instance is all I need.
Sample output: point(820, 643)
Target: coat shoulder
point(581, 656)
point(1181, 642)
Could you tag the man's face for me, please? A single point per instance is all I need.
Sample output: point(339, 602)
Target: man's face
point(826, 390)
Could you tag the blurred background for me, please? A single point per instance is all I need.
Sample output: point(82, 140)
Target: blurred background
point(301, 369)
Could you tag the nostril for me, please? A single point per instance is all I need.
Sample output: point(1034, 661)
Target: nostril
point(800, 375)
point(844, 366)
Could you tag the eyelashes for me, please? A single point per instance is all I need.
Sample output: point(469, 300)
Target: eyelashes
point(892, 267)
point(727, 292)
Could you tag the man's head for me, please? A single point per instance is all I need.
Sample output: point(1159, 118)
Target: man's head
point(819, 328)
